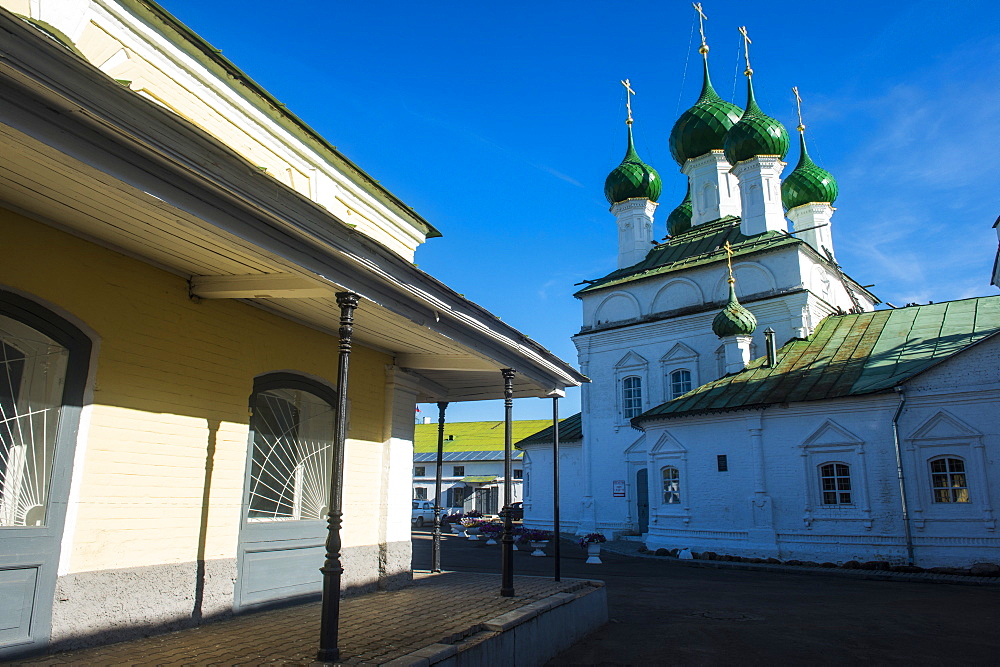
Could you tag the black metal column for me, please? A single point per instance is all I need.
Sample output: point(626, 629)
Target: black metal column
point(436, 544)
point(555, 483)
point(332, 568)
point(507, 542)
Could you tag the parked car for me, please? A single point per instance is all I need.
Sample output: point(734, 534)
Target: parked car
point(423, 512)
point(516, 512)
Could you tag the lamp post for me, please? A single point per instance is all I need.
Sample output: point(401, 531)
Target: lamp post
point(507, 542)
point(332, 568)
point(436, 544)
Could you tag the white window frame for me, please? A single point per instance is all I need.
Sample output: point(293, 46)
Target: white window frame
point(832, 443)
point(836, 475)
point(677, 490)
point(631, 385)
point(944, 435)
point(689, 382)
point(631, 365)
point(679, 358)
point(667, 452)
point(949, 461)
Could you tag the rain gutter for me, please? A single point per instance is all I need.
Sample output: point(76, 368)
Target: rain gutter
point(899, 474)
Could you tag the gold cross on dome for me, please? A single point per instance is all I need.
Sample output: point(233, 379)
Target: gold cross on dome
point(701, 24)
point(746, 48)
point(798, 107)
point(628, 99)
point(729, 261)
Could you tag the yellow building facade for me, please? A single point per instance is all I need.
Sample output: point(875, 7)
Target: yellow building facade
point(170, 334)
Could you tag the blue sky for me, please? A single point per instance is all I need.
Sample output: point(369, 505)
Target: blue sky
point(499, 123)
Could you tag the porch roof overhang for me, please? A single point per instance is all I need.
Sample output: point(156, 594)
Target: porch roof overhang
point(85, 154)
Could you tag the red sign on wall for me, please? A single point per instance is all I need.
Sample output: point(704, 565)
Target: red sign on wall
point(618, 488)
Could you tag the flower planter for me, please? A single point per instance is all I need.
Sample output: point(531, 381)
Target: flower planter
point(594, 553)
point(473, 534)
point(491, 540)
point(538, 546)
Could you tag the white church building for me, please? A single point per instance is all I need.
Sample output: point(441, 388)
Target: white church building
point(747, 398)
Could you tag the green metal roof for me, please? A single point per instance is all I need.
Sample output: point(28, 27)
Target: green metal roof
point(633, 178)
point(699, 246)
point(570, 430)
point(479, 479)
point(808, 182)
point(472, 436)
point(847, 355)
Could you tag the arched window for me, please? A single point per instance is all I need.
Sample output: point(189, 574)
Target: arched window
point(292, 426)
point(671, 485)
point(948, 481)
point(43, 369)
point(680, 382)
point(632, 396)
point(835, 483)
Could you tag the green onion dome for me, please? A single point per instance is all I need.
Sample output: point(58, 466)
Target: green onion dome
point(734, 319)
point(755, 134)
point(808, 182)
point(703, 127)
point(679, 220)
point(633, 178)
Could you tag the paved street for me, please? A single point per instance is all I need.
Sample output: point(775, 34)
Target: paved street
point(667, 613)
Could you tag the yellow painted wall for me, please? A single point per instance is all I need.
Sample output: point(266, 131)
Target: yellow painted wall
point(172, 376)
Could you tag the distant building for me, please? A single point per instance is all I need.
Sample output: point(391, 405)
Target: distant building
point(472, 474)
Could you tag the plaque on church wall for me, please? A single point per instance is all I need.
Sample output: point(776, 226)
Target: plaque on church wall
point(618, 488)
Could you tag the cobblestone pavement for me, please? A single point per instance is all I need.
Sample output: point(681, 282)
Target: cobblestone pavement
point(374, 628)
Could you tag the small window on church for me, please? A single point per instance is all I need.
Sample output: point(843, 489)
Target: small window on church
point(671, 485)
point(680, 382)
point(723, 462)
point(835, 482)
point(419, 471)
point(632, 396)
point(948, 481)
point(420, 493)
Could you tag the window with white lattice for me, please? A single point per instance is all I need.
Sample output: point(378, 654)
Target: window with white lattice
point(835, 484)
point(291, 462)
point(671, 478)
point(631, 396)
point(949, 482)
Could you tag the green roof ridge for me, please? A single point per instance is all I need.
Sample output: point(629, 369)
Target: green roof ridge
point(633, 178)
point(808, 182)
point(755, 134)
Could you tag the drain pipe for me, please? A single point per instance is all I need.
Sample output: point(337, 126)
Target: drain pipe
point(899, 474)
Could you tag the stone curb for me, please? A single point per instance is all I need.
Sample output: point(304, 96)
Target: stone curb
point(439, 652)
point(869, 575)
